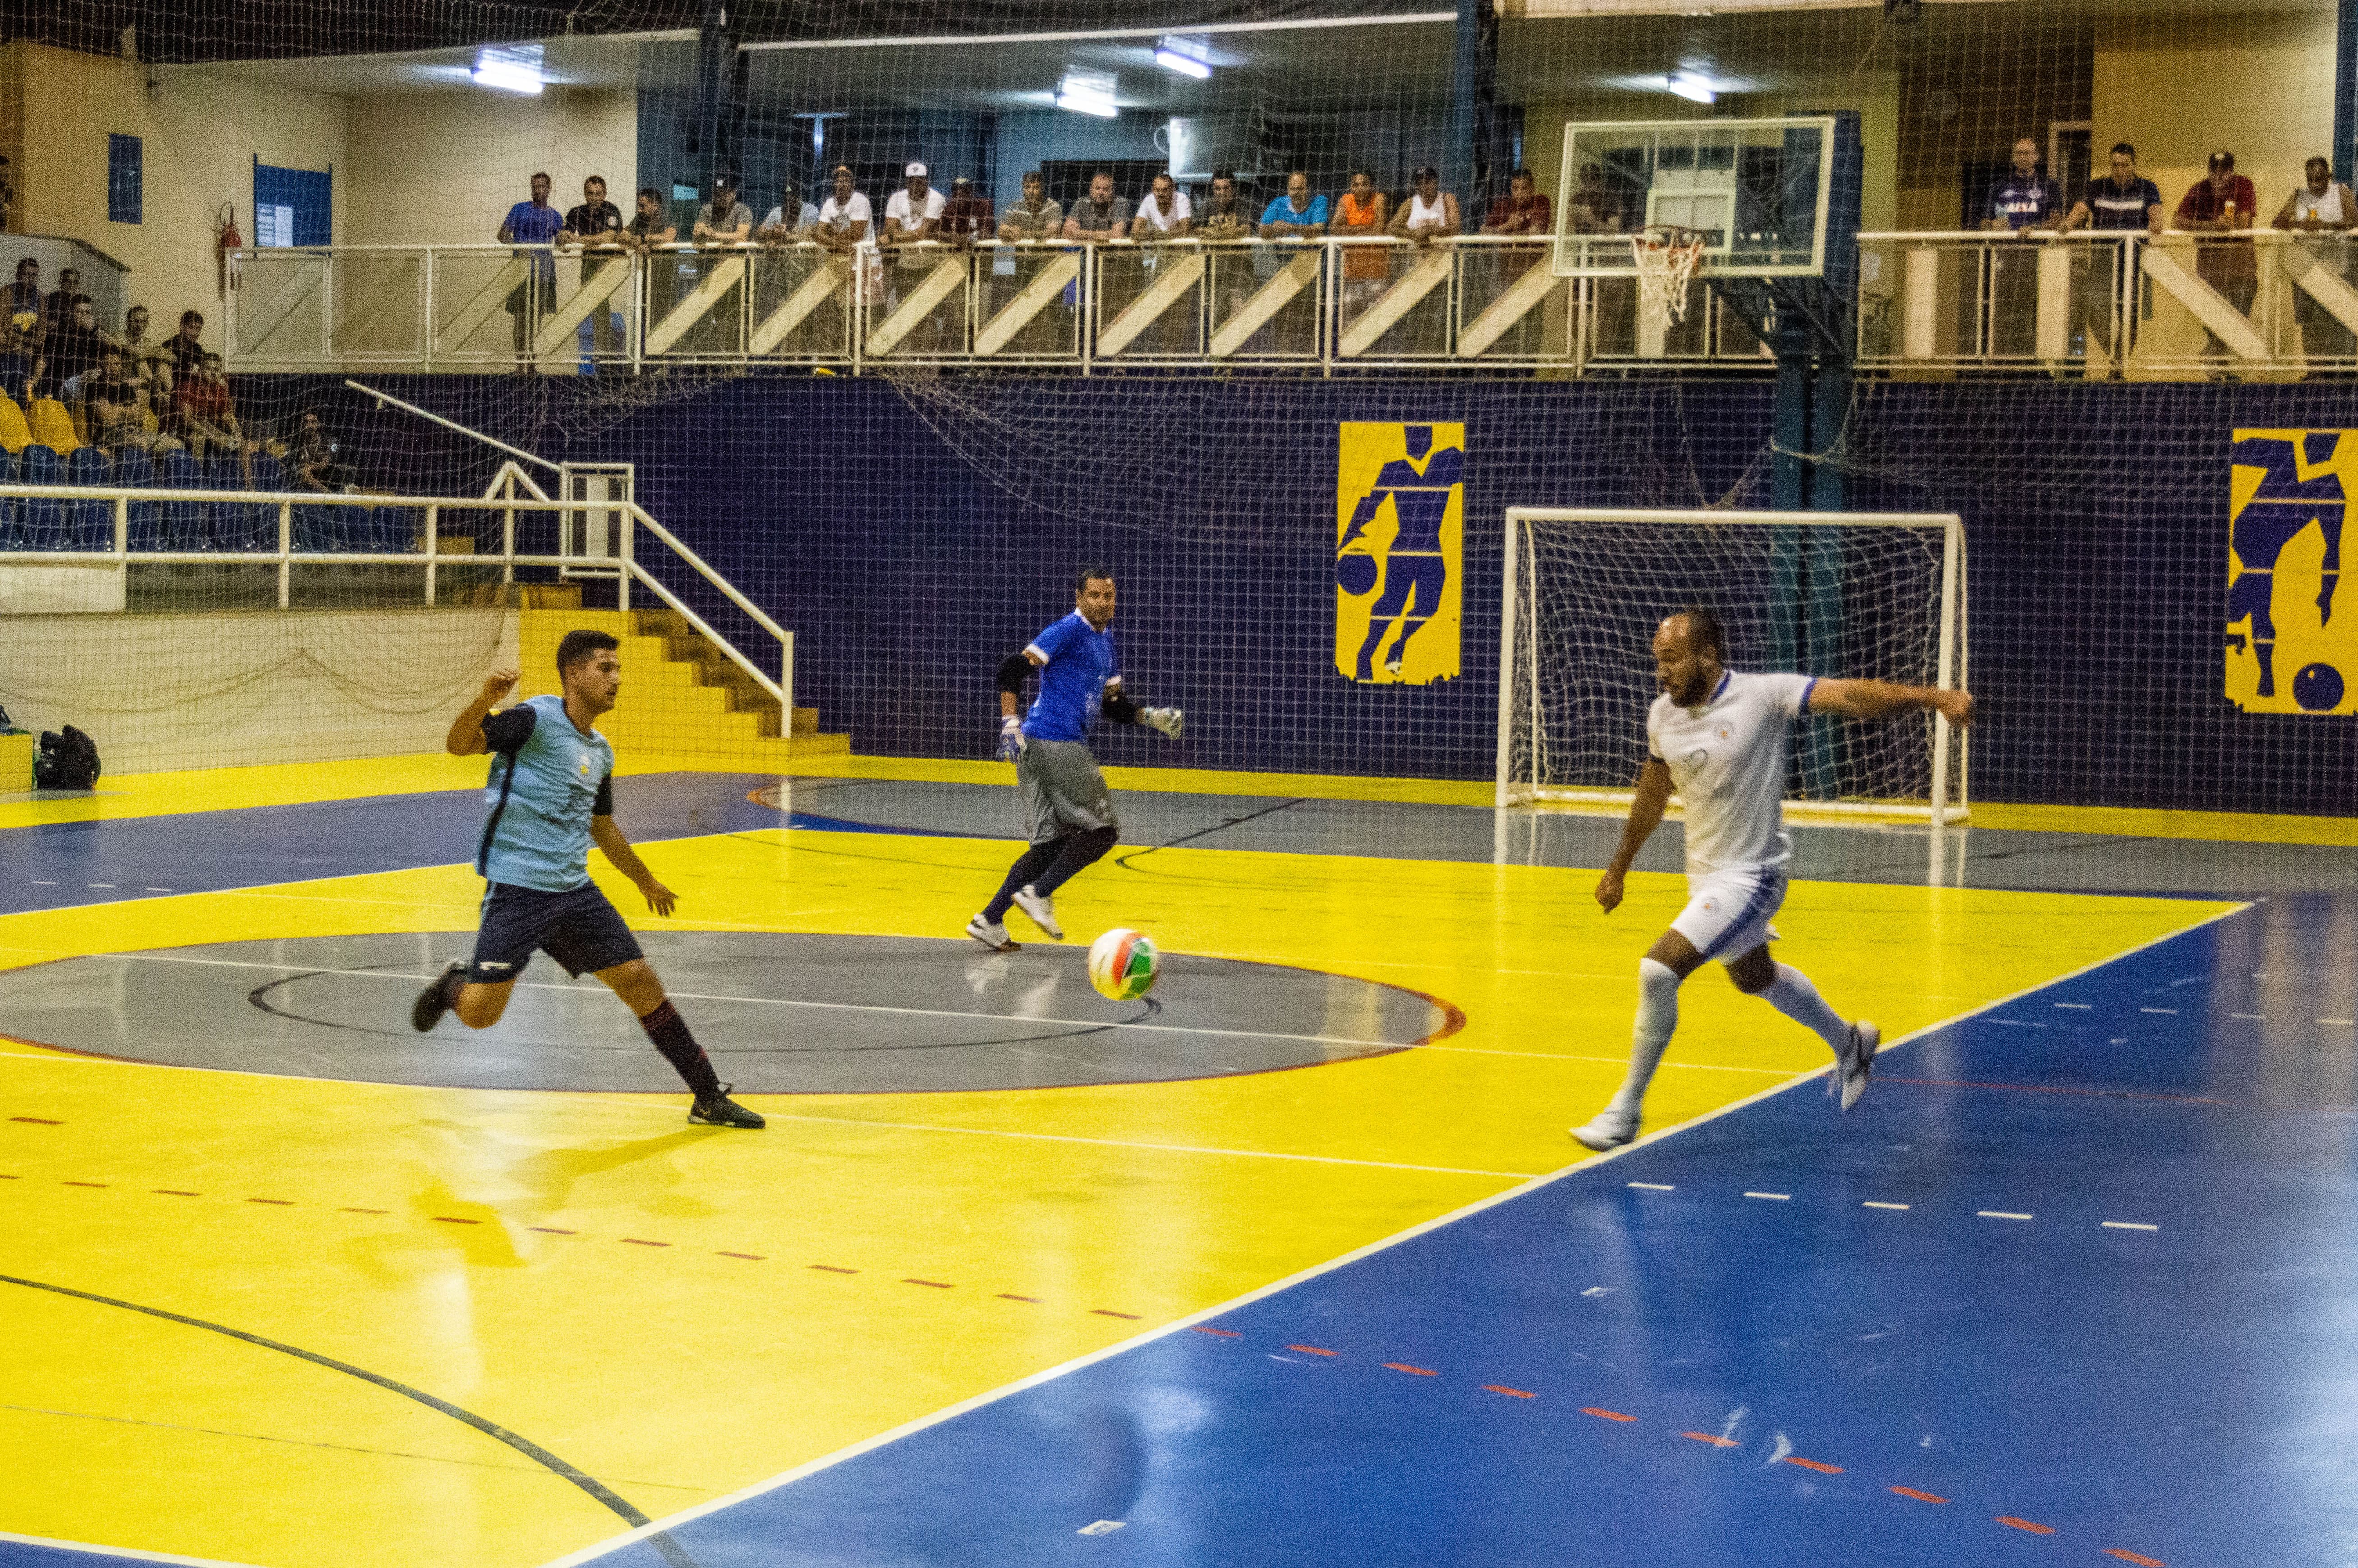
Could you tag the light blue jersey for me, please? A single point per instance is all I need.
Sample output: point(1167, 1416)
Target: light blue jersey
point(1072, 685)
point(548, 779)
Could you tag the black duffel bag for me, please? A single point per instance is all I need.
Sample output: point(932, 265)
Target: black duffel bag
point(68, 761)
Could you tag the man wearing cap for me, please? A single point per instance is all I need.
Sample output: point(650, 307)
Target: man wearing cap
point(791, 219)
point(912, 213)
point(844, 217)
point(724, 219)
point(2223, 204)
point(968, 217)
point(1429, 213)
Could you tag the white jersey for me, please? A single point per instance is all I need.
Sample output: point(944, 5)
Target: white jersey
point(1727, 762)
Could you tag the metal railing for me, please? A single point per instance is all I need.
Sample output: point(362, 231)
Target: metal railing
point(1330, 305)
point(80, 545)
point(2110, 303)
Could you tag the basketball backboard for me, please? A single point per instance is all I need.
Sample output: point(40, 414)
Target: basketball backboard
point(1756, 189)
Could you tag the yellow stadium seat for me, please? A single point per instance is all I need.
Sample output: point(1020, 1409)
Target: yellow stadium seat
point(53, 426)
point(14, 434)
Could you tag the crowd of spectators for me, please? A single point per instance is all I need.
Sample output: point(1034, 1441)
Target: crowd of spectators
point(66, 381)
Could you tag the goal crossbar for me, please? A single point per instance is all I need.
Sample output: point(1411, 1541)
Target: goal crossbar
point(1523, 707)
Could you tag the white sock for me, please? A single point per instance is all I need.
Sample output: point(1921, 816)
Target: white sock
point(1657, 1019)
point(1792, 994)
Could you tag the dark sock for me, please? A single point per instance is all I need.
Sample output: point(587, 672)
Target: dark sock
point(1029, 866)
point(1079, 852)
point(668, 1030)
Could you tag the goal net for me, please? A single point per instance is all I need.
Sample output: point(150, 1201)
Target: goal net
point(1847, 595)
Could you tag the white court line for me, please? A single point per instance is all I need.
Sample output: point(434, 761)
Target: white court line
point(1781, 1198)
point(2171, 1011)
point(2077, 1006)
point(1998, 1214)
point(1654, 1186)
point(2127, 1225)
point(1180, 1326)
point(2344, 1023)
point(129, 1554)
point(1898, 1207)
point(797, 1002)
point(2254, 1017)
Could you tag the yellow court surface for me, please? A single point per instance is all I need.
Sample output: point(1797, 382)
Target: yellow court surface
point(666, 1313)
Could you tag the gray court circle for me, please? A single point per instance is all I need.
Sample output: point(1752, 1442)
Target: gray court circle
point(780, 1012)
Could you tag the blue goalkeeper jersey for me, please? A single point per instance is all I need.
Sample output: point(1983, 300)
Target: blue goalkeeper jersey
point(1072, 684)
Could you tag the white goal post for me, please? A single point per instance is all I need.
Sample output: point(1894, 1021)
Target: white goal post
point(1848, 595)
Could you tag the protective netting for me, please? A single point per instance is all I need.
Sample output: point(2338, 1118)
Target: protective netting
point(1858, 601)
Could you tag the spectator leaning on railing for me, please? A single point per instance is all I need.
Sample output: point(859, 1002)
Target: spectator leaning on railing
point(1099, 215)
point(844, 217)
point(912, 214)
point(2122, 202)
point(1522, 210)
point(2025, 198)
point(1227, 215)
point(1430, 213)
point(1164, 213)
point(790, 219)
point(1359, 215)
point(724, 219)
point(2024, 203)
point(597, 225)
point(968, 217)
point(2222, 204)
point(1297, 214)
point(2321, 205)
point(1036, 217)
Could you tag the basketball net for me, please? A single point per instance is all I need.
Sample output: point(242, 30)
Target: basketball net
point(1666, 258)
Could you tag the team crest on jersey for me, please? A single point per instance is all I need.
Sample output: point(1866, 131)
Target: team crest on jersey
point(2291, 637)
point(585, 764)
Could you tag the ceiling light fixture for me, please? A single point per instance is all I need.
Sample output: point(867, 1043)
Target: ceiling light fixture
point(1088, 95)
point(509, 72)
point(1187, 57)
point(1694, 88)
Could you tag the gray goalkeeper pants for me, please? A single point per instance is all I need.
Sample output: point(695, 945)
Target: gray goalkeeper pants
point(1063, 790)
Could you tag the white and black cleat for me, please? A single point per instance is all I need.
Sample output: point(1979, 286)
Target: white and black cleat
point(1859, 1061)
point(992, 935)
point(1040, 910)
point(1611, 1129)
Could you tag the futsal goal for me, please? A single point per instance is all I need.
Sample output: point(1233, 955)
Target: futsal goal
point(1841, 594)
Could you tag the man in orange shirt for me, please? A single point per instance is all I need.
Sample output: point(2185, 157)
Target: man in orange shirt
point(1366, 268)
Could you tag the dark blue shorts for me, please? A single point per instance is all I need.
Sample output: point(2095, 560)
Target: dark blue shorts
point(578, 929)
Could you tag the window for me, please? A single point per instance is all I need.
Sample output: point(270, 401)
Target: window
point(122, 178)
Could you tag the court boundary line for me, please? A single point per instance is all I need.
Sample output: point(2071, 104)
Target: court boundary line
point(129, 1553)
point(911, 1428)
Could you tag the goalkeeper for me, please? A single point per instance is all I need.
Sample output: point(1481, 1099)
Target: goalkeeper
point(1063, 793)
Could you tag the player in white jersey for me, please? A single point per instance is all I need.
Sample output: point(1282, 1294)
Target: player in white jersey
point(1718, 739)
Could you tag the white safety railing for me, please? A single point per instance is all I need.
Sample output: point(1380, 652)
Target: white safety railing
point(2109, 303)
point(84, 530)
point(1334, 304)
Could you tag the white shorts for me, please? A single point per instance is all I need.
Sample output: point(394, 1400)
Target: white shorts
point(1727, 913)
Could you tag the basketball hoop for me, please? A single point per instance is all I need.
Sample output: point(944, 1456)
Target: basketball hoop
point(1665, 256)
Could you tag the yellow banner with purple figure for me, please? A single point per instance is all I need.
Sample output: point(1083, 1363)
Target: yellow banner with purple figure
point(1400, 536)
point(2292, 634)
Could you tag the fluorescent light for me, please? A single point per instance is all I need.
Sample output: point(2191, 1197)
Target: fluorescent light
point(509, 72)
point(1087, 94)
point(1688, 85)
point(1183, 65)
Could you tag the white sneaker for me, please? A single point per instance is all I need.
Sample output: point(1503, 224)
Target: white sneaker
point(1611, 1129)
point(1041, 913)
point(992, 935)
point(1858, 1060)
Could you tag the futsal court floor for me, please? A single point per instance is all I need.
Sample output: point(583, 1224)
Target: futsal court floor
point(1291, 1264)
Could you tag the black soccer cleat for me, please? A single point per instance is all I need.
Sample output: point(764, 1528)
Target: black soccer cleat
point(718, 1110)
point(436, 999)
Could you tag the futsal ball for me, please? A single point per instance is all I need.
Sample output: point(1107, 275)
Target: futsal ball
point(1122, 964)
point(1355, 573)
point(2318, 688)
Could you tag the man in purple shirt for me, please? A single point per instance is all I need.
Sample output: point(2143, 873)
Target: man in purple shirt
point(533, 222)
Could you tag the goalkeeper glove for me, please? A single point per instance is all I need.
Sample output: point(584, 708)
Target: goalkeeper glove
point(1011, 738)
point(1164, 721)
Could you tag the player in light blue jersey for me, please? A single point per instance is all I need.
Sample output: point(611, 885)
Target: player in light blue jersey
point(550, 797)
point(1063, 793)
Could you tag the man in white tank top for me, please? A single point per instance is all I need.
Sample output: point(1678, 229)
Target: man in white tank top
point(1430, 213)
point(1718, 739)
point(2323, 205)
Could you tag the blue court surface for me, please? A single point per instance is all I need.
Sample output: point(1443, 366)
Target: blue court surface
point(2070, 1286)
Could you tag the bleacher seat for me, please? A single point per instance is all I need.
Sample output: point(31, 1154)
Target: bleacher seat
point(186, 522)
point(238, 526)
point(11, 518)
point(52, 426)
point(42, 522)
point(15, 435)
point(89, 524)
point(132, 467)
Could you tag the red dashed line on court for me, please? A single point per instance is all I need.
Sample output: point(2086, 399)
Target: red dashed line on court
point(1819, 1465)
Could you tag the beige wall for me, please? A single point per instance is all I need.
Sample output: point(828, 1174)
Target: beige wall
point(200, 131)
point(2260, 86)
point(443, 167)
